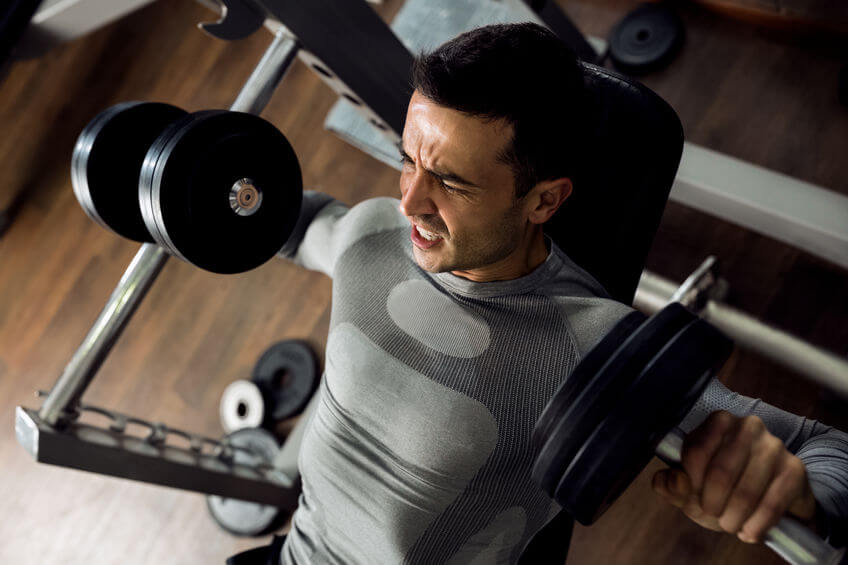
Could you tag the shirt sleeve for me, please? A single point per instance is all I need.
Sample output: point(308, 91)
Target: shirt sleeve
point(311, 243)
point(326, 228)
point(823, 449)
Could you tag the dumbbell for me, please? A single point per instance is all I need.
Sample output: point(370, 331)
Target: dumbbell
point(283, 380)
point(219, 189)
point(621, 405)
point(240, 517)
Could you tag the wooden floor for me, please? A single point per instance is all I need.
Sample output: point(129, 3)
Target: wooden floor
point(766, 98)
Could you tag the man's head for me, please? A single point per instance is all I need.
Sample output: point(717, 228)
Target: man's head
point(491, 135)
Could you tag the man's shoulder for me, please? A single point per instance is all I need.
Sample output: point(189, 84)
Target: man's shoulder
point(584, 304)
point(376, 215)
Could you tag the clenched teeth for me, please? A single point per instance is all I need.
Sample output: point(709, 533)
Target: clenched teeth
point(429, 236)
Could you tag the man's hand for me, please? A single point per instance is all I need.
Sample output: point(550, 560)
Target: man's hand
point(738, 478)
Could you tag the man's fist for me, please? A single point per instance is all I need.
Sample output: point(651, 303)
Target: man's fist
point(738, 478)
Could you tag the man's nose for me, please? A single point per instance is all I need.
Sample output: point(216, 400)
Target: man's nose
point(415, 196)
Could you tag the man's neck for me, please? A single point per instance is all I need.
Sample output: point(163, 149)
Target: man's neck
point(523, 261)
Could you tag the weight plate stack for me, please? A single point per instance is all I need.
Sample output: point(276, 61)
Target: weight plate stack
point(107, 161)
point(601, 391)
point(287, 375)
point(221, 190)
point(623, 444)
point(646, 39)
point(240, 517)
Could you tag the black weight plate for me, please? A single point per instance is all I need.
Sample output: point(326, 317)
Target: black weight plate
point(108, 158)
point(591, 406)
point(658, 399)
point(189, 184)
point(287, 373)
point(241, 517)
point(646, 39)
point(144, 192)
point(582, 374)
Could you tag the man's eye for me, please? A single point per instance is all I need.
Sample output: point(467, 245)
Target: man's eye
point(406, 160)
point(450, 188)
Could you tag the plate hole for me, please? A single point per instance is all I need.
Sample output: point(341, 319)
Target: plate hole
point(322, 71)
point(351, 99)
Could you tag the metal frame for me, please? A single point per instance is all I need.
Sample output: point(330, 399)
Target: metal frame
point(702, 293)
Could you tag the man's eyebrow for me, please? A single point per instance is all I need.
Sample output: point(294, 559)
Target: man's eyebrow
point(444, 175)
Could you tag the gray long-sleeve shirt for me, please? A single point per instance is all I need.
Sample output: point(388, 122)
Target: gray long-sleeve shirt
point(419, 448)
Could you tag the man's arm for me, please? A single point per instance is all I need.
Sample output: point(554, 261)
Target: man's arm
point(326, 228)
point(746, 463)
point(318, 215)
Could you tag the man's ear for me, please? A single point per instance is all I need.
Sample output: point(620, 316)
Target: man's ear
point(546, 197)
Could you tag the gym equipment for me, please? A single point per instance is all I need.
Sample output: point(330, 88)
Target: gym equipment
point(220, 190)
point(53, 435)
point(592, 449)
point(104, 441)
point(242, 406)
point(243, 518)
point(703, 292)
point(287, 375)
point(283, 381)
point(646, 39)
point(107, 157)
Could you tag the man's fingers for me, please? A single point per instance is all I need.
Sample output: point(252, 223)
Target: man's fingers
point(786, 488)
point(752, 485)
point(673, 485)
point(700, 445)
point(728, 464)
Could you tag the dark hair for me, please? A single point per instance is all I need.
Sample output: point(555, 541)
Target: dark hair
point(521, 73)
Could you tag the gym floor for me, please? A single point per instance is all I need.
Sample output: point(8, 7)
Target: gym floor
point(764, 96)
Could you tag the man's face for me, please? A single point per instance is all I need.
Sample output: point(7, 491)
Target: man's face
point(458, 196)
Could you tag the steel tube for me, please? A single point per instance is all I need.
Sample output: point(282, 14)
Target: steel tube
point(820, 366)
point(257, 91)
point(80, 371)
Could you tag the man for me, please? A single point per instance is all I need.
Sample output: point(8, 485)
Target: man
point(454, 320)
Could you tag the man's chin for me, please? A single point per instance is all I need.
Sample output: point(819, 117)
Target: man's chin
point(429, 261)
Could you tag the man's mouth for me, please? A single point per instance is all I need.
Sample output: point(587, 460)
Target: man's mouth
point(431, 236)
point(424, 239)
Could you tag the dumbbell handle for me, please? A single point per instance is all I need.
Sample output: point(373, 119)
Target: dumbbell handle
point(789, 538)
